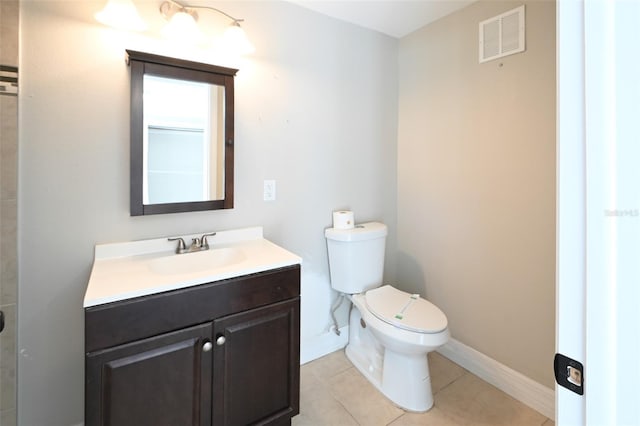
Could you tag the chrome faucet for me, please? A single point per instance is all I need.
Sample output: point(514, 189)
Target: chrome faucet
point(197, 244)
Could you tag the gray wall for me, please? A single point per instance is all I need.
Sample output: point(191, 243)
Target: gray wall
point(316, 110)
point(476, 184)
point(8, 211)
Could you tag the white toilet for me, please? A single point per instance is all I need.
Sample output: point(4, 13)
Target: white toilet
point(390, 331)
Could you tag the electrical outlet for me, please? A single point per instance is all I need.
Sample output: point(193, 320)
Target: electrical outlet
point(269, 190)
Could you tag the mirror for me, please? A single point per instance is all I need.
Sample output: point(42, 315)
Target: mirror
point(181, 135)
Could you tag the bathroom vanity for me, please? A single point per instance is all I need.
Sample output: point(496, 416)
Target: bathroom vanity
point(172, 341)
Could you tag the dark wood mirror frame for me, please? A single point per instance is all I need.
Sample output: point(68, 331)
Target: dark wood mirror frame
point(145, 63)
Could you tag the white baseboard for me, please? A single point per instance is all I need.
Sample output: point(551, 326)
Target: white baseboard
point(318, 346)
point(517, 385)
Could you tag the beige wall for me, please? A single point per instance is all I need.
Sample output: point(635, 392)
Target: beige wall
point(476, 184)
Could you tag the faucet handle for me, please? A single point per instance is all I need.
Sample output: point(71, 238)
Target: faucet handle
point(182, 247)
point(203, 239)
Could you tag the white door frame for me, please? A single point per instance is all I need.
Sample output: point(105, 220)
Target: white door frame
point(598, 210)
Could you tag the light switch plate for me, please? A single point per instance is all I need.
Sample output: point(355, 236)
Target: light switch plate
point(269, 190)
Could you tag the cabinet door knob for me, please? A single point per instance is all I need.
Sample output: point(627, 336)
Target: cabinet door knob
point(207, 346)
point(220, 341)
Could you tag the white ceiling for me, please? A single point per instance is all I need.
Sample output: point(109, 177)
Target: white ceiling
point(396, 18)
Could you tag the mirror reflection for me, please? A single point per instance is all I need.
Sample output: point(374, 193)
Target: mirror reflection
point(183, 141)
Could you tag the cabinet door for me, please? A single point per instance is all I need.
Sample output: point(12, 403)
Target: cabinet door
point(256, 377)
point(160, 381)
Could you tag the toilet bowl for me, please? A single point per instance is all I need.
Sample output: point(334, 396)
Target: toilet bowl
point(392, 357)
point(390, 331)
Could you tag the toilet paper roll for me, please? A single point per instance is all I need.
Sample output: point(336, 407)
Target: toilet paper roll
point(343, 219)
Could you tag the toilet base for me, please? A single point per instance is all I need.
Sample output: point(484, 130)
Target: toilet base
point(404, 379)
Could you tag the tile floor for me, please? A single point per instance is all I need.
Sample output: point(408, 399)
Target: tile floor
point(334, 393)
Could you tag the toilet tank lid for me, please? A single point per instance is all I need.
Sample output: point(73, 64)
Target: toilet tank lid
point(361, 232)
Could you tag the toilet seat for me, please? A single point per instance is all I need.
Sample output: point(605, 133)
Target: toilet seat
point(403, 310)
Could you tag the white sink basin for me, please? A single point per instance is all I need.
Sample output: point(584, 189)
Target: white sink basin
point(138, 268)
point(196, 262)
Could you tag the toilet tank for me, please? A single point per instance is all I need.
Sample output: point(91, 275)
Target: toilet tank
point(356, 257)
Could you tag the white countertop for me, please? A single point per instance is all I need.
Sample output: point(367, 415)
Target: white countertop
point(124, 270)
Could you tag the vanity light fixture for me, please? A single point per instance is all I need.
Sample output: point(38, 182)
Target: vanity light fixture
point(183, 20)
point(121, 14)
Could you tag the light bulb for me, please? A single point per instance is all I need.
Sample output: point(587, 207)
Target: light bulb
point(182, 27)
point(235, 40)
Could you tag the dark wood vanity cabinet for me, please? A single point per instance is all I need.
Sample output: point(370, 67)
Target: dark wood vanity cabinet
point(224, 353)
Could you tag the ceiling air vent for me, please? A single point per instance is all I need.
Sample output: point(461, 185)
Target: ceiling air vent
point(502, 35)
